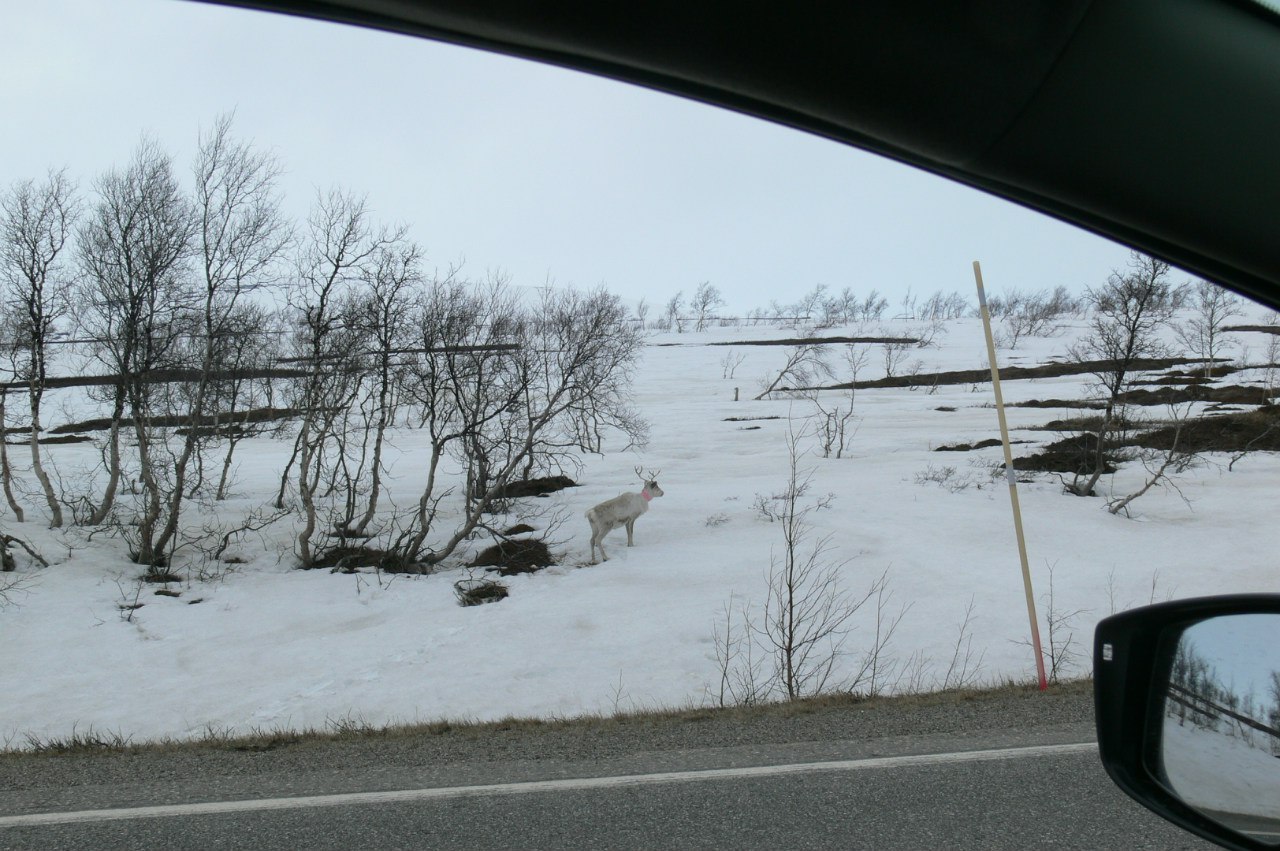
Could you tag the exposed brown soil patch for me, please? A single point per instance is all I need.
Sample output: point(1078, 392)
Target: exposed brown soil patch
point(158, 376)
point(1083, 404)
point(1232, 394)
point(1077, 454)
point(533, 487)
point(350, 558)
point(968, 447)
point(1076, 424)
point(1257, 430)
point(516, 556)
point(52, 441)
point(809, 341)
point(1008, 373)
point(252, 417)
point(1262, 329)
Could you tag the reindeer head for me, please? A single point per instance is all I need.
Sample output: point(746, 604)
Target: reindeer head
point(650, 479)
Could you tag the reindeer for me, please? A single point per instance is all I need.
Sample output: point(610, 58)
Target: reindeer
point(622, 510)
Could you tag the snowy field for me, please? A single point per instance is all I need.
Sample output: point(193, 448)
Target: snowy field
point(1226, 772)
point(262, 645)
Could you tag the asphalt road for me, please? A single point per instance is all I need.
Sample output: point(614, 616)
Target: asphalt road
point(1009, 770)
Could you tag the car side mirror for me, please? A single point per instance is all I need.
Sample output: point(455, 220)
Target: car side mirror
point(1187, 706)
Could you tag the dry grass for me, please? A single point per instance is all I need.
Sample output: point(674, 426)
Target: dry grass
point(352, 728)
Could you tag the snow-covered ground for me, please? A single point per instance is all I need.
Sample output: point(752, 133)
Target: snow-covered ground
point(264, 645)
point(1226, 771)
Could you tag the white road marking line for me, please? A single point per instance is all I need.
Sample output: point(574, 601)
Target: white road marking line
point(402, 796)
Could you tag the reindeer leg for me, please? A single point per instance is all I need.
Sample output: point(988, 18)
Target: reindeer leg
point(631, 524)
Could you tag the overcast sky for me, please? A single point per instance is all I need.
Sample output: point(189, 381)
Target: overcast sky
point(503, 164)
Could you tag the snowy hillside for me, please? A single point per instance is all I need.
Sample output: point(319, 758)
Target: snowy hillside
point(259, 644)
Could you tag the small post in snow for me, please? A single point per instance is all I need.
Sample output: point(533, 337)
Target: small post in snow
point(1011, 476)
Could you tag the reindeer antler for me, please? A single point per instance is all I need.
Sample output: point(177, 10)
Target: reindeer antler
point(648, 475)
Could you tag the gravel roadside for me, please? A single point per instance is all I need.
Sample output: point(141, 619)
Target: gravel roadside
point(459, 754)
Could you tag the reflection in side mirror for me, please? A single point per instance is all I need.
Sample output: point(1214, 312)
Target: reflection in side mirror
point(1220, 737)
point(1185, 696)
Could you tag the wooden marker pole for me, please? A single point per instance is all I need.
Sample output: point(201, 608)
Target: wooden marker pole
point(1011, 476)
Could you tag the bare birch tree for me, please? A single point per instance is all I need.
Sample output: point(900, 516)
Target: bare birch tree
point(1127, 313)
point(239, 238)
point(36, 225)
point(337, 246)
point(9, 337)
point(462, 380)
point(1203, 333)
point(704, 303)
point(134, 250)
point(391, 279)
point(247, 354)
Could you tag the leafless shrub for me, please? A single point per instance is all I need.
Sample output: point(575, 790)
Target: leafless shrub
point(964, 670)
point(810, 307)
point(793, 646)
point(1272, 356)
point(671, 313)
point(128, 603)
point(835, 425)
point(926, 336)
point(895, 351)
point(773, 508)
point(730, 362)
point(873, 307)
point(805, 365)
point(947, 477)
point(943, 307)
point(878, 670)
point(1063, 656)
point(742, 681)
point(1273, 423)
point(13, 585)
point(1035, 314)
point(805, 618)
point(1161, 465)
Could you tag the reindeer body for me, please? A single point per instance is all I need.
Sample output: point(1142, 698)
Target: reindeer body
point(623, 510)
